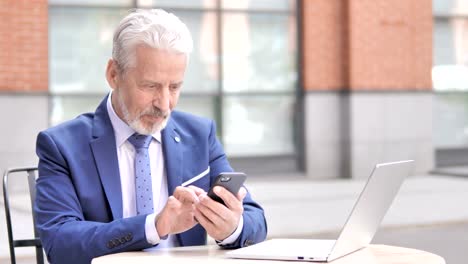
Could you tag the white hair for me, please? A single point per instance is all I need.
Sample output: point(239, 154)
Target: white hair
point(155, 28)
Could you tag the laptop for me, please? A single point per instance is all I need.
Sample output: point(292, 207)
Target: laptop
point(358, 231)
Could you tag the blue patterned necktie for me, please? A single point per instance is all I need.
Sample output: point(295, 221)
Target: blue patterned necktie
point(143, 187)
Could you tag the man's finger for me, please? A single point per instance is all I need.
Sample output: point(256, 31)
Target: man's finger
point(215, 216)
point(212, 204)
point(172, 202)
point(198, 191)
point(241, 194)
point(229, 199)
point(204, 221)
point(185, 195)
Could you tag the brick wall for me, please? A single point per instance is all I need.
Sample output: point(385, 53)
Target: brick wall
point(367, 44)
point(325, 44)
point(23, 45)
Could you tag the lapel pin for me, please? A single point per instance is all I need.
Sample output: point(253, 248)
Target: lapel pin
point(177, 139)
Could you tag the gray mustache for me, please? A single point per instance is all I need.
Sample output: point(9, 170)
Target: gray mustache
point(155, 112)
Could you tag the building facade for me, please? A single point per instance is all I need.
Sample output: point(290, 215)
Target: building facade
point(325, 87)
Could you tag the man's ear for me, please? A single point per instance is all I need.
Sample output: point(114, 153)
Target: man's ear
point(112, 74)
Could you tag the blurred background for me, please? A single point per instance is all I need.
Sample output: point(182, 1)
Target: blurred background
point(307, 95)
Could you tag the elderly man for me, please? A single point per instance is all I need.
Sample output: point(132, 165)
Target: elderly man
point(110, 181)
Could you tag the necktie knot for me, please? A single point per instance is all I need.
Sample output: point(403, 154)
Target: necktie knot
point(140, 141)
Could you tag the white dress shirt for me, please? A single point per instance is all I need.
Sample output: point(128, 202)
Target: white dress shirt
point(126, 159)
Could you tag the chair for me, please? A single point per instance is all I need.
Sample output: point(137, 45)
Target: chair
point(35, 242)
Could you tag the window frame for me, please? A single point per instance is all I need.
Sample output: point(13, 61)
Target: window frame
point(294, 162)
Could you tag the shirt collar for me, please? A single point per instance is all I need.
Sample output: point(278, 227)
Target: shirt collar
point(121, 130)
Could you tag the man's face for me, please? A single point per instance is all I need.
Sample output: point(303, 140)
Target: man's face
point(144, 95)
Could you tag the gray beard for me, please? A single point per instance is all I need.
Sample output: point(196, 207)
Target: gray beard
point(136, 123)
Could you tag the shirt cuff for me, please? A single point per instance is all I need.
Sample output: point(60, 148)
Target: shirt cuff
point(234, 236)
point(151, 233)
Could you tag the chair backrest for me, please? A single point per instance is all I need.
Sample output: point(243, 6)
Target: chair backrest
point(34, 242)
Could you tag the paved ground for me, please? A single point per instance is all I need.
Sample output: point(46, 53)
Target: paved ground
point(430, 213)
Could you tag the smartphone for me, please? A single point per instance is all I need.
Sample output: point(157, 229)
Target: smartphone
point(232, 181)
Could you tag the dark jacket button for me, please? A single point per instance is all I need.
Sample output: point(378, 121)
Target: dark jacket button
point(129, 237)
point(110, 245)
point(248, 243)
point(122, 240)
point(116, 242)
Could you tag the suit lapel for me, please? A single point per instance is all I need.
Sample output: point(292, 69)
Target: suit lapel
point(172, 144)
point(105, 156)
point(172, 147)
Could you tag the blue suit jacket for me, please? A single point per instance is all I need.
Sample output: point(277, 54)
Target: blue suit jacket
point(79, 201)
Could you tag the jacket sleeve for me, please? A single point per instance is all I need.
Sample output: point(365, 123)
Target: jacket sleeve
point(65, 234)
point(255, 226)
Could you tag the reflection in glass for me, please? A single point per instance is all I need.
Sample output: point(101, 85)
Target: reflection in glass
point(450, 7)
point(451, 41)
point(177, 4)
point(66, 107)
point(450, 77)
point(259, 52)
point(258, 125)
point(202, 72)
point(443, 43)
point(259, 4)
point(122, 3)
point(451, 120)
point(80, 42)
point(450, 74)
point(81, 45)
point(197, 105)
point(259, 55)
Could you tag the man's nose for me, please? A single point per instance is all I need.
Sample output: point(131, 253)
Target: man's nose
point(162, 99)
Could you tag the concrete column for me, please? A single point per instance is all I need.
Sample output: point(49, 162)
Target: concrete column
point(23, 116)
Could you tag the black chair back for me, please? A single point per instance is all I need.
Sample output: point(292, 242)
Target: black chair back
point(13, 243)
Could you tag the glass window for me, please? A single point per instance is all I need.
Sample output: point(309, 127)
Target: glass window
point(258, 53)
point(443, 42)
point(68, 107)
point(79, 56)
point(450, 74)
point(198, 105)
point(80, 46)
point(451, 41)
point(259, 4)
point(450, 69)
point(177, 4)
point(450, 118)
point(202, 74)
point(127, 3)
point(450, 7)
point(258, 125)
point(242, 72)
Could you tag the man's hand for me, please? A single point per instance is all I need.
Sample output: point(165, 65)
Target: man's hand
point(177, 215)
point(218, 220)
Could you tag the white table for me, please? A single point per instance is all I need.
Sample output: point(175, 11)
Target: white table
point(375, 254)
